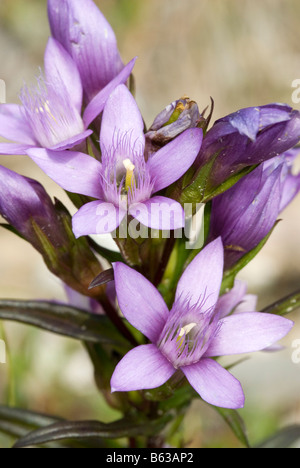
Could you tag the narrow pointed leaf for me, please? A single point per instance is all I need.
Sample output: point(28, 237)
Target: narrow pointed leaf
point(195, 192)
point(17, 423)
point(228, 184)
point(62, 320)
point(92, 429)
point(285, 306)
point(236, 424)
point(10, 228)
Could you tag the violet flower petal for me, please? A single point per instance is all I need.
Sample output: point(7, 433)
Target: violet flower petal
point(13, 148)
point(122, 122)
point(247, 333)
point(140, 302)
point(215, 385)
point(159, 213)
point(85, 33)
point(13, 125)
point(96, 106)
point(58, 63)
point(142, 368)
point(173, 160)
point(75, 172)
point(71, 142)
point(201, 281)
point(97, 217)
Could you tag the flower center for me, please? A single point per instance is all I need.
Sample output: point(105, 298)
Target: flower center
point(130, 182)
point(125, 177)
point(51, 115)
point(187, 333)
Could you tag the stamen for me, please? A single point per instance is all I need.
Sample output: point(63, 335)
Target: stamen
point(129, 180)
point(187, 328)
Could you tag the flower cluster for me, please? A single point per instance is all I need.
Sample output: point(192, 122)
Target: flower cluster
point(176, 311)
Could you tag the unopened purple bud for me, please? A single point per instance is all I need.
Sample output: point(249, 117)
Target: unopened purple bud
point(245, 214)
point(27, 207)
point(24, 204)
point(248, 137)
point(179, 116)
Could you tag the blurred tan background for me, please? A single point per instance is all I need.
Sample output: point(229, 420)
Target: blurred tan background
point(240, 52)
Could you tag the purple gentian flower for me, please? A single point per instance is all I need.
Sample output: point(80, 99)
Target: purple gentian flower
point(124, 180)
point(84, 32)
point(50, 116)
point(249, 137)
point(25, 204)
point(247, 212)
point(191, 334)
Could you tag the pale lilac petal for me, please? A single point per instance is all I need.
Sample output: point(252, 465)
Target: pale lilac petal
point(74, 172)
point(140, 302)
point(96, 106)
point(122, 118)
point(61, 69)
point(13, 148)
point(248, 304)
point(201, 281)
point(97, 217)
point(85, 33)
point(228, 302)
point(172, 161)
point(247, 333)
point(72, 142)
point(13, 125)
point(142, 368)
point(159, 213)
point(215, 385)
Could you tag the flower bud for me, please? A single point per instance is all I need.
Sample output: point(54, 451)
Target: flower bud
point(27, 207)
point(248, 137)
point(172, 121)
point(244, 215)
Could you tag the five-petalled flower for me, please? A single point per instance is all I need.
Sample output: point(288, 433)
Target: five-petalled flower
point(50, 115)
point(124, 181)
point(192, 334)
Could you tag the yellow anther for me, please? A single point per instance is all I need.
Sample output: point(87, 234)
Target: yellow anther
point(186, 329)
point(183, 332)
point(129, 180)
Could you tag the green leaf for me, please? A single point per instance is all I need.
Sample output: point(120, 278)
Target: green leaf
point(68, 430)
point(17, 423)
point(63, 320)
point(286, 438)
point(195, 192)
point(26, 418)
point(228, 184)
point(236, 423)
point(10, 228)
point(230, 275)
point(284, 306)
